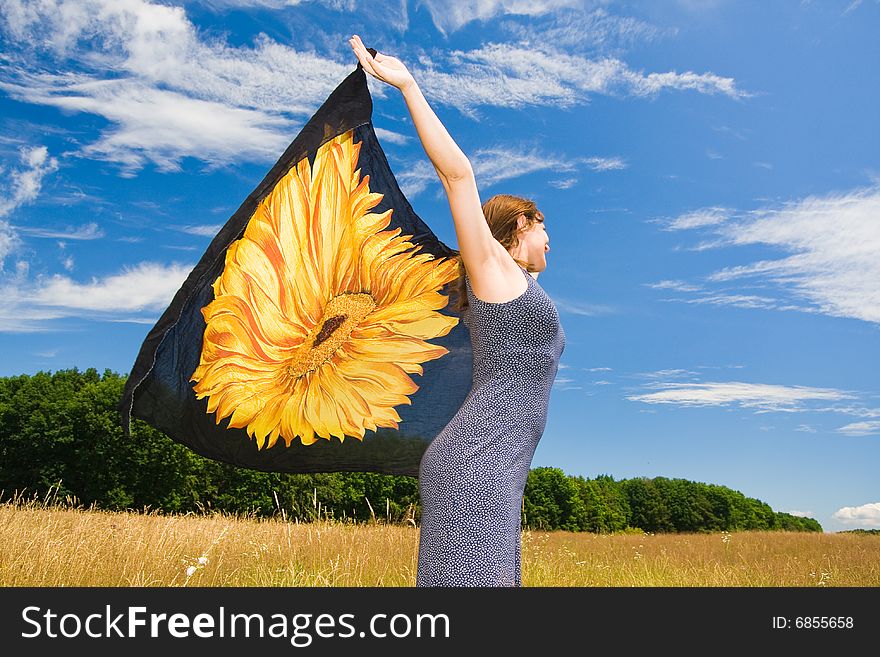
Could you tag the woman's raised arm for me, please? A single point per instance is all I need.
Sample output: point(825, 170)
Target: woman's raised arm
point(475, 241)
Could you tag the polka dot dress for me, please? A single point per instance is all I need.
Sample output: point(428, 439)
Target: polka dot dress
point(473, 474)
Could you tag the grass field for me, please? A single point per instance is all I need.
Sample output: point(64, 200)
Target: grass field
point(63, 545)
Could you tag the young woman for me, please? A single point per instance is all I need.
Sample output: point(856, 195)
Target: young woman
point(472, 476)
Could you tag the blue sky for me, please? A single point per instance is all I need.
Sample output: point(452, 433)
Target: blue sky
point(709, 171)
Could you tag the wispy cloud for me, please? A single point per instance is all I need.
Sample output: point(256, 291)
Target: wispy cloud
point(451, 15)
point(835, 245)
point(869, 428)
point(391, 137)
point(22, 185)
point(158, 125)
point(574, 307)
point(566, 183)
point(699, 218)
point(761, 397)
point(90, 231)
point(141, 291)
point(492, 165)
point(202, 231)
point(678, 286)
point(664, 374)
point(866, 514)
point(566, 383)
point(168, 91)
point(604, 163)
point(852, 6)
point(9, 241)
point(596, 30)
point(512, 75)
point(496, 164)
point(737, 300)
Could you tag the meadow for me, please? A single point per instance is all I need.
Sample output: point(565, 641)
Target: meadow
point(51, 543)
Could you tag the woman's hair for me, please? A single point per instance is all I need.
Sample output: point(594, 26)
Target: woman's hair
point(501, 213)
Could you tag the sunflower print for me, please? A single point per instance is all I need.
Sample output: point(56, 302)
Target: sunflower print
point(320, 314)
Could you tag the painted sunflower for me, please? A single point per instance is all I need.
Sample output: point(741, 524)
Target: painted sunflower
point(320, 315)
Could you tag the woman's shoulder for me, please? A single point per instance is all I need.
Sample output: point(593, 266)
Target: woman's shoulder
point(499, 280)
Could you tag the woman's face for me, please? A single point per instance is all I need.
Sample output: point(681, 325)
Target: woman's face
point(534, 243)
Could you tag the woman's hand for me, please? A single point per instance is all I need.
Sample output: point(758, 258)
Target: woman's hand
point(382, 67)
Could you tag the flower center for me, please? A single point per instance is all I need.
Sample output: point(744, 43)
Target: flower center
point(340, 318)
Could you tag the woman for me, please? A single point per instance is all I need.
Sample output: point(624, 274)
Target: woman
point(472, 476)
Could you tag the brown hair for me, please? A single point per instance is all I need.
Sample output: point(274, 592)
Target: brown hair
point(501, 213)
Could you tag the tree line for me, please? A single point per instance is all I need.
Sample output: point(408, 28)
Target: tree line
point(61, 432)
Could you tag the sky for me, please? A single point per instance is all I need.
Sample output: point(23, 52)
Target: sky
point(709, 171)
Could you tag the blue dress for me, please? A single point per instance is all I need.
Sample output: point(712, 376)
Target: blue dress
point(472, 475)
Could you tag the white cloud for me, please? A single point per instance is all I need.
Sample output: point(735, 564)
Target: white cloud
point(866, 514)
point(496, 164)
point(29, 306)
point(835, 245)
point(597, 30)
point(492, 165)
point(21, 185)
point(699, 218)
point(662, 374)
point(678, 286)
point(700, 5)
point(801, 514)
point(161, 126)
point(566, 383)
point(451, 15)
point(581, 308)
point(9, 241)
point(167, 91)
point(738, 301)
point(416, 178)
point(861, 428)
point(761, 397)
point(382, 13)
point(171, 91)
point(220, 5)
point(512, 75)
point(89, 231)
point(391, 137)
point(852, 6)
point(202, 231)
point(604, 163)
point(567, 183)
point(24, 183)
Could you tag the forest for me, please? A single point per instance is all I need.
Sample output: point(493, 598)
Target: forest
point(60, 432)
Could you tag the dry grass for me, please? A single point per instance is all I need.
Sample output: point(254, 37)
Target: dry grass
point(45, 544)
point(729, 559)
